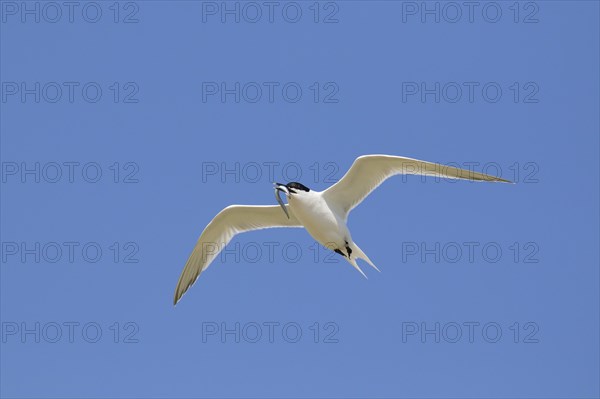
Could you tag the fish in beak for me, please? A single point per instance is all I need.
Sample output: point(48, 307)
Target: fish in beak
point(281, 188)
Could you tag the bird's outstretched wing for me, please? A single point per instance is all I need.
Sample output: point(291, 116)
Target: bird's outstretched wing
point(369, 171)
point(230, 221)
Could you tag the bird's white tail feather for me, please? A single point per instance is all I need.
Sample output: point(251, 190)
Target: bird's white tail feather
point(352, 261)
point(358, 253)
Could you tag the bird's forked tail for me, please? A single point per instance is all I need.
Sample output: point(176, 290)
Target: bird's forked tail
point(357, 253)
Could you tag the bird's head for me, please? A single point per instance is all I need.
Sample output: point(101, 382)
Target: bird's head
point(290, 189)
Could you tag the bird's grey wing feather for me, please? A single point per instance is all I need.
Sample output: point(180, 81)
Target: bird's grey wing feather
point(369, 171)
point(230, 221)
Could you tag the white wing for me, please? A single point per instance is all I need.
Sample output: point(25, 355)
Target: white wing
point(230, 221)
point(369, 171)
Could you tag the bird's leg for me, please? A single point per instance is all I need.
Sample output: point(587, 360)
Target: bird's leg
point(348, 250)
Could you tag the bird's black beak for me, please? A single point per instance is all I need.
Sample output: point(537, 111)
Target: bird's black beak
point(281, 188)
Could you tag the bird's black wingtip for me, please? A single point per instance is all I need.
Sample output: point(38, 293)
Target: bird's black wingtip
point(176, 299)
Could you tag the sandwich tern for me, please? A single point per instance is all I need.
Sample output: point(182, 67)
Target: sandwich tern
point(322, 213)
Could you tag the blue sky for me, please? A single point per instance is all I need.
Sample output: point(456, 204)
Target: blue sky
point(125, 129)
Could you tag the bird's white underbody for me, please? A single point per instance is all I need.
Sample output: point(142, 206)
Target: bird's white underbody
point(323, 214)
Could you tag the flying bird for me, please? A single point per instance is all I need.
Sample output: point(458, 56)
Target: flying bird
point(322, 213)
